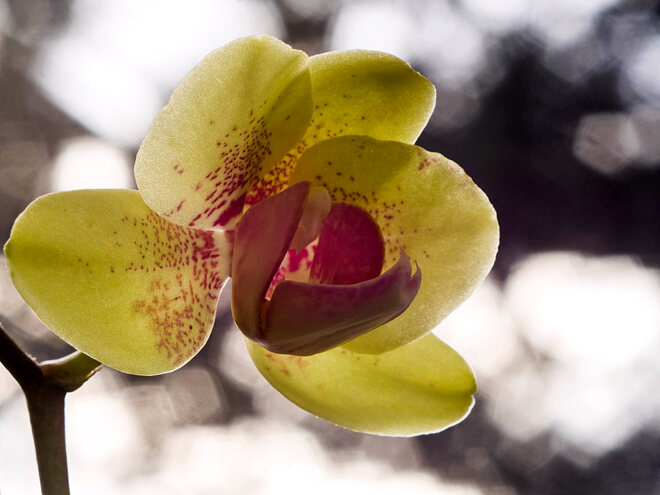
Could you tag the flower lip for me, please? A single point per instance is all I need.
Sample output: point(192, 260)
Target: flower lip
point(352, 296)
point(305, 319)
point(317, 208)
point(261, 241)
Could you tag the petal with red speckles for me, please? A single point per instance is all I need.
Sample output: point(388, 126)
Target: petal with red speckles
point(115, 280)
point(230, 120)
point(424, 205)
point(357, 92)
point(367, 93)
point(422, 387)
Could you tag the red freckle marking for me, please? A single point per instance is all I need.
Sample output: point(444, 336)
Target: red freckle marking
point(423, 164)
point(198, 186)
point(192, 222)
point(178, 208)
point(300, 362)
point(234, 208)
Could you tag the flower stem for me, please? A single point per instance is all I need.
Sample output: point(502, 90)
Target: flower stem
point(46, 407)
point(45, 386)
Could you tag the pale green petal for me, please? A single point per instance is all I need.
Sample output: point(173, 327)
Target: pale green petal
point(425, 205)
point(115, 280)
point(230, 120)
point(367, 93)
point(422, 387)
point(358, 92)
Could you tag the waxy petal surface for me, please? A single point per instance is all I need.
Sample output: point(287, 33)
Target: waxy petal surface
point(426, 206)
point(422, 387)
point(115, 280)
point(368, 93)
point(357, 92)
point(306, 319)
point(230, 120)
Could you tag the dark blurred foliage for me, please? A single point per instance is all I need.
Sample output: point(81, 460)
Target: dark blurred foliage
point(519, 151)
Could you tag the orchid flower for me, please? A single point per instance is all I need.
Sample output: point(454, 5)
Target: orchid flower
point(295, 176)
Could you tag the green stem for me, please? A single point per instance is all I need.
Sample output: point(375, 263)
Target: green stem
point(46, 407)
point(45, 386)
point(71, 371)
point(22, 367)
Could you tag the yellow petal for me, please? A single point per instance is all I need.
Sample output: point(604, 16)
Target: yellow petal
point(425, 205)
point(357, 92)
point(422, 387)
point(230, 120)
point(367, 93)
point(115, 280)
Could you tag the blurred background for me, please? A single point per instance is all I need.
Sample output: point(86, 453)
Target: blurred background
point(552, 106)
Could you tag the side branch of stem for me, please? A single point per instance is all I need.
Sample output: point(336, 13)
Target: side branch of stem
point(45, 386)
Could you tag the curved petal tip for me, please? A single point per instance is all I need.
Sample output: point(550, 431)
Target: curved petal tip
point(305, 319)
